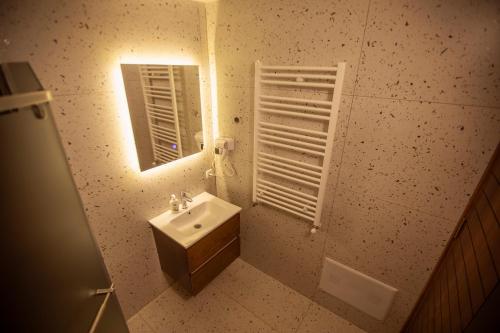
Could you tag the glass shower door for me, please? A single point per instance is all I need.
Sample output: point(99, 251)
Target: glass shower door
point(51, 264)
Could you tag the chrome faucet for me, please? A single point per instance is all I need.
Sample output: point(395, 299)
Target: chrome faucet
point(185, 198)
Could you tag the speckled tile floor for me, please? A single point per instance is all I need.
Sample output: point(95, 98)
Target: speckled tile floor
point(240, 299)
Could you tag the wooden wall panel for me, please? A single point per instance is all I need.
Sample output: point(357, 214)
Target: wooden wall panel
point(429, 310)
point(463, 292)
point(485, 264)
point(418, 325)
point(495, 170)
point(436, 296)
point(445, 306)
point(453, 294)
point(491, 228)
point(486, 320)
point(471, 270)
point(493, 194)
point(462, 285)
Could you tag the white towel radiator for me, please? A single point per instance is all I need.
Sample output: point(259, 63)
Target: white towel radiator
point(295, 116)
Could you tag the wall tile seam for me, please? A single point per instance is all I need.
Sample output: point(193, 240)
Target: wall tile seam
point(234, 299)
point(251, 87)
point(331, 208)
point(400, 204)
point(334, 194)
point(304, 315)
point(84, 93)
point(144, 320)
point(137, 311)
point(240, 160)
point(404, 99)
point(428, 101)
point(235, 85)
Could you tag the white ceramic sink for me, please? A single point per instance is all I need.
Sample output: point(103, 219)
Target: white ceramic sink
point(203, 215)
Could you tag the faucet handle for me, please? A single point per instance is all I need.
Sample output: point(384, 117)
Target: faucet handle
point(185, 197)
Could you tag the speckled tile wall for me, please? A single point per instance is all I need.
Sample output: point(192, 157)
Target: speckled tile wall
point(76, 48)
point(419, 119)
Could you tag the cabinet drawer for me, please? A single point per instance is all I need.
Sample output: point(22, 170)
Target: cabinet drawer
point(208, 271)
point(206, 247)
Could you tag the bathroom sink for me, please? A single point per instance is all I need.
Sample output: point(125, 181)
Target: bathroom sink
point(203, 215)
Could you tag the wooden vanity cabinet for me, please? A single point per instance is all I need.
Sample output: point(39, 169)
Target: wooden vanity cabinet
point(200, 263)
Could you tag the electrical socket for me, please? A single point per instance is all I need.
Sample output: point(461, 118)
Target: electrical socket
point(223, 143)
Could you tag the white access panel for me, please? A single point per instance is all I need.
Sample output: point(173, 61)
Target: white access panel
point(357, 289)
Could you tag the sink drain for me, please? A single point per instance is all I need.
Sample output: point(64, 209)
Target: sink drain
point(197, 226)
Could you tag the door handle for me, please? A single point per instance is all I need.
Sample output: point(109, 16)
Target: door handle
point(97, 319)
point(106, 290)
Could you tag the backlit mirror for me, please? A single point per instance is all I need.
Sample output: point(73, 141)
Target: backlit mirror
point(165, 110)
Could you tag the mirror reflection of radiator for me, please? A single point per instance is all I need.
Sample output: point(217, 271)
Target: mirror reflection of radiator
point(158, 88)
point(296, 111)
